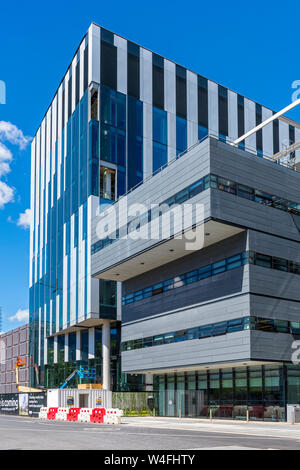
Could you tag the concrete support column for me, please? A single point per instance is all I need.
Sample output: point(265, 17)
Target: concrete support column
point(106, 354)
point(66, 347)
point(91, 343)
point(55, 349)
point(78, 345)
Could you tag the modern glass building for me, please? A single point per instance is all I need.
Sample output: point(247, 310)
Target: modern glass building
point(121, 116)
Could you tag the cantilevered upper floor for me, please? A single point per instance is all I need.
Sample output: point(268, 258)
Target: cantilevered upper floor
point(213, 192)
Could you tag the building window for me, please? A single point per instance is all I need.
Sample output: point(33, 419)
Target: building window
point(135, 142)
point(159, 138)
point(108, 65)
point(223, 112)
point(84, 345)
point(94, 105)
point(108, 296)
point(202, 108)
point(72, 347)
point(275, 136)
point(181, 135)
point(241, 119)
point(181, 99)
point(158, 81)
point(259, 138)
point(107, 183)
point(133, 70)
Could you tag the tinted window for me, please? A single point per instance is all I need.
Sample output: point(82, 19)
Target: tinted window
point(108, 65)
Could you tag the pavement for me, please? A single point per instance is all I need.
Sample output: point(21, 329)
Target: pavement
point(18, 433)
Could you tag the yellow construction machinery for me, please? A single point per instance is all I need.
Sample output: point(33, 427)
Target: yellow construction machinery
point(21, 363)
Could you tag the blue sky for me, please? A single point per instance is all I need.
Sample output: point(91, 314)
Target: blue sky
point(251, 48)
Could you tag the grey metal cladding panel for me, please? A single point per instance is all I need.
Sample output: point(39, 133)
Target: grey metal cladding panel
point(271, 346)
point(265, 281)
point(126, 248)
point(273, 246)
point(197, 315)
point(223, 285)
point(210, 254)
point(183, 172)
point(271, 307)
point(254, 171)
point(236, 210)
point(230, 347)
point(202, 198)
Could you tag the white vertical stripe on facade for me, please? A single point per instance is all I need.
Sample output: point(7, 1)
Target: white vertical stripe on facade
point(267, 133)
point(170, 105)
point(284, 139)
point(119, 301)
point(39, 336)
point(37, 220)
point(170, 86)
point(147, 139)
point(78, 351)
point(213, 108)
point(232, 116)
point(80, 264)
point(65, 282)
point(74, 62)
point(171, 124)
point(73, 255)
point(93, 284)
point(250, 123)
point(59, 137)
point(50, 318)
point(55, 350)
point(192, 108)
point(88, 261)
point(58, 294)
point(94, 53)
point(91, 332)
point(145, 76)
point(66, 105)
point(297, 138)
point(46, 351)
point(53, 132)
point(54, 119)
point(121, 45)
point(32, 208)
point(42, 186)
point(81, 69)
point(66, 348)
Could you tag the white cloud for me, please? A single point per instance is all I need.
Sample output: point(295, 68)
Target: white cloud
point(5, 159)
point(6, 194)
point(20, 316)
point(9, 133)
point(25, 219)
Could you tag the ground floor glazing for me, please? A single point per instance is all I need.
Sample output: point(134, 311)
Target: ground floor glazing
point(263, 391)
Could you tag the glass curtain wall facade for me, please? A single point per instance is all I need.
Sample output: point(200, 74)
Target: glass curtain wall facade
point(120, 113)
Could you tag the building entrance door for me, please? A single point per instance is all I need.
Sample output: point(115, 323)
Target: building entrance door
point(83, 400)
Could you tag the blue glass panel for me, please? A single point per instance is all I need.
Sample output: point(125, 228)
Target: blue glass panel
point(181, 134)
point(160, 156)
point(160, 126)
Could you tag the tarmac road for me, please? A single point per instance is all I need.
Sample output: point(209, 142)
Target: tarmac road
point(145, 434)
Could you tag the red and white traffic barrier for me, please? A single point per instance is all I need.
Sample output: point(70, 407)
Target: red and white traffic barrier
point(113, 416)
point(83, 415)
point(43, 413)
point(62, 414)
